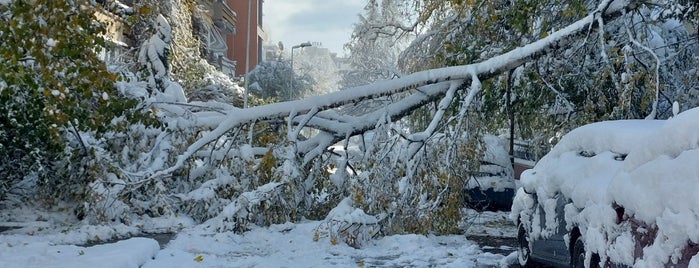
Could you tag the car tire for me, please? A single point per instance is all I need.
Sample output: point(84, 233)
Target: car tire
point(577, 259)
point(524, 247)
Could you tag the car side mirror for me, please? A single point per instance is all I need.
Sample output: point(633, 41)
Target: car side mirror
point(527, 185)
point(528, 190)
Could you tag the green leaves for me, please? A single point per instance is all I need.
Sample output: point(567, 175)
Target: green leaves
point(52, 81)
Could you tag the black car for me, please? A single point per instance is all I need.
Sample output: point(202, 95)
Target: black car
point(492, 188)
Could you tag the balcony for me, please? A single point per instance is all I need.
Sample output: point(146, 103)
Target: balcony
point(222, 16)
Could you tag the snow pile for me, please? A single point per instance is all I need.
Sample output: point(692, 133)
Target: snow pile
point(351, 225)
point(129, 253)
point(647, 167)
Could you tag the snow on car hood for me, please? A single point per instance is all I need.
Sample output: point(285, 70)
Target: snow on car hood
point(663, 173)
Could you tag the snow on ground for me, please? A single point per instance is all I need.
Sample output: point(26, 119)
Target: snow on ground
point(489, 224)
point(293, 245)
point(53, 240)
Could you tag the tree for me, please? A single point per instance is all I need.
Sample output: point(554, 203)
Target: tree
point(564, 85)
point(458, 85)
point(318, 64)
point(276, 80)
point(373, 50)
point(52, 83)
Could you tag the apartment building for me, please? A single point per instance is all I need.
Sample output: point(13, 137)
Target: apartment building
point(223, 31)
point(245, 46)
point(223, 23)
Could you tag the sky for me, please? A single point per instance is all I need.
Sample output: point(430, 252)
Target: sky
point(329, 22)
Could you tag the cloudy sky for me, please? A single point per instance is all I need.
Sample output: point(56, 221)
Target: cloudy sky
point(329, 22)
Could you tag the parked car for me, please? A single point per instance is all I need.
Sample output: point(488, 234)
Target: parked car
point(493, 186)
point(614, 194)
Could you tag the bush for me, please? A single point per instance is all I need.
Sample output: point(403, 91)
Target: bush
point(52, 84)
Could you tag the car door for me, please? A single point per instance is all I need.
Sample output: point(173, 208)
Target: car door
point(554, 248)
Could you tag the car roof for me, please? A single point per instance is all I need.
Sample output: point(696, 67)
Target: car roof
point(620, 136)
point(587, 158)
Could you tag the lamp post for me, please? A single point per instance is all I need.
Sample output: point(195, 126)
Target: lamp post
point(302, 45)
point(247, 57)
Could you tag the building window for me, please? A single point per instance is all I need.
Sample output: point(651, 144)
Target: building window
point(259, 49)
point(259, 13)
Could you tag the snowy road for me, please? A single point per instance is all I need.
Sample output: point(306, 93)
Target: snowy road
point(293, 245)
point(285, 245)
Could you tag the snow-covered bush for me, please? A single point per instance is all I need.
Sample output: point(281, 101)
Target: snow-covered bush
point(349, 224)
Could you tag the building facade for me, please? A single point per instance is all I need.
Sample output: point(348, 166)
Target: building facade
point(213, 35)
point(239, 50)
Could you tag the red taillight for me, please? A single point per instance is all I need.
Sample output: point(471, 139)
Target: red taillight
point(688, 253)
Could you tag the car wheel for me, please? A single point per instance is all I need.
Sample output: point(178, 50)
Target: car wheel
point(523, 247)
point(577, 259)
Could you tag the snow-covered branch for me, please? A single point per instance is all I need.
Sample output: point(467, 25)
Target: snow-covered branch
point(483, 70)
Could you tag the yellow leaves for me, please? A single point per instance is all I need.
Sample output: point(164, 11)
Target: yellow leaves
point(143, 10)
point(442, 178)
point(316, 236)
point(401, 173)
point(469, 3)
point(265, 168)
point(198, 258)
point(269, 138)
point(333, 241)
point(112, 76)
point(357, 194)
point(360, 263)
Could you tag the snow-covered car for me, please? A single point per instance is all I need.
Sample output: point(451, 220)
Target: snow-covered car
point(493, 186)
point(614, 193)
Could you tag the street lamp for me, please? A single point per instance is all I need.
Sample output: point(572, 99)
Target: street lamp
point(302, 45)
point(247, 57)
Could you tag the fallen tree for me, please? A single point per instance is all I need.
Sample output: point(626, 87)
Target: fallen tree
point(427, 85)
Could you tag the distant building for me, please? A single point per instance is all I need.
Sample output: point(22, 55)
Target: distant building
point(223, 23)
point(238, 42)
point(272, 52)
point(223, 30)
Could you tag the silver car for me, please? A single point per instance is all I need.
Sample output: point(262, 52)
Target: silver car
point(615, 193)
